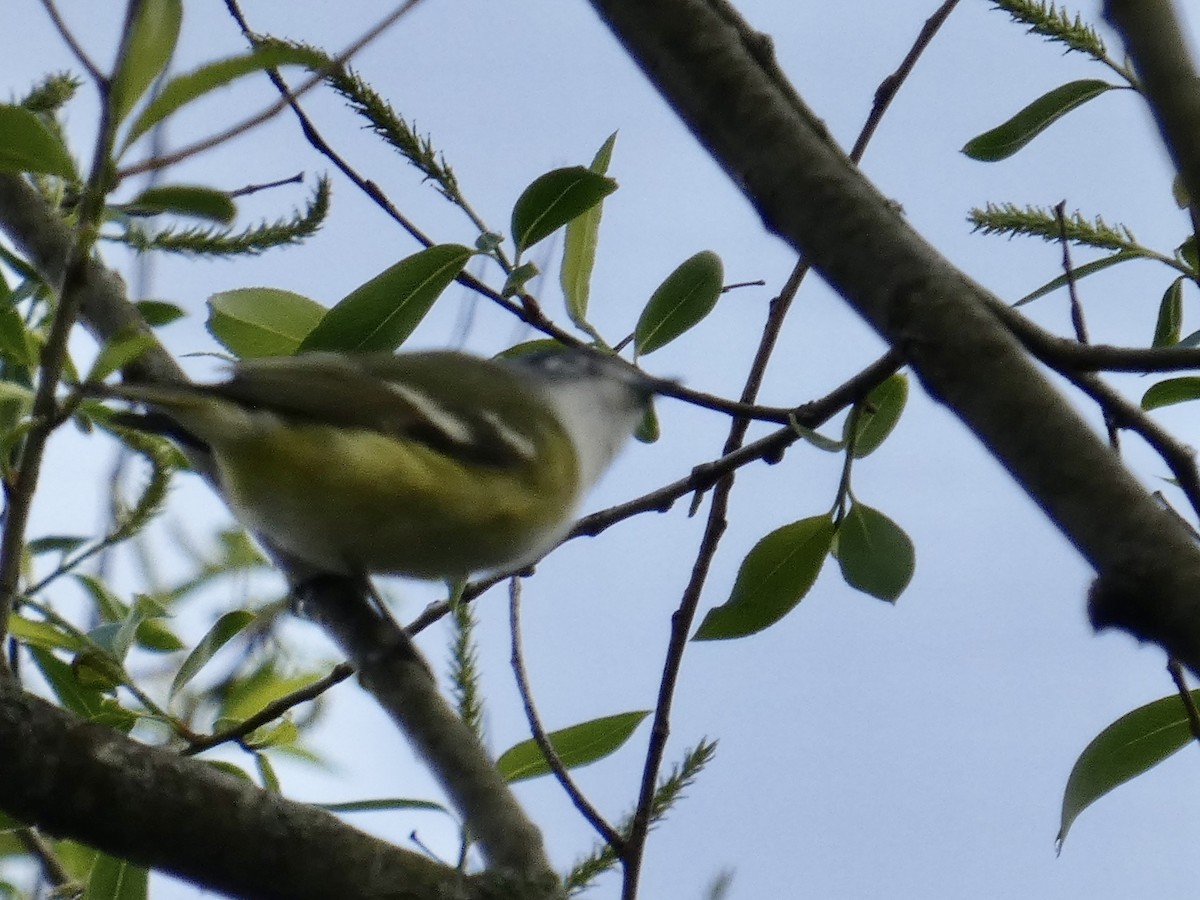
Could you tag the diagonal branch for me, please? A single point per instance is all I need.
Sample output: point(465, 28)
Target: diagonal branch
point(720, 77)
point(183, 816)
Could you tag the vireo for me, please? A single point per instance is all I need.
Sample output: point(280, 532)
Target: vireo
point(431, 465)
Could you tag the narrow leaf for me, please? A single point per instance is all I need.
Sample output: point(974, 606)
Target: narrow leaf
point(877, 415)
point(119, 352)
point(1006, 139)
point(184, 200)
point(42, 634)
point(1136, 742)
point(266, 773)
point(250, 322)
point(55, 543)
point(27, 145)
point(1079, 272)
point(381, 314)
point(579, 247)
point(775, 576)
point(686, 296)
point(576, 746)
point(553, 200)
point(146, 52)
point(1168, 328)
point(381, 805)
point(226, 628)
point(180, 91)
point(1171, 391)
point(17, 341)
point(875, 554)
point(1187, 252)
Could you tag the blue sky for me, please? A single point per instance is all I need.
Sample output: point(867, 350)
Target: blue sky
point(865, 750)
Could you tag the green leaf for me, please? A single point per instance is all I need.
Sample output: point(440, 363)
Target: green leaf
point(553, 200)
point(249, 695)
point(579, 247)
point(1005, 140)
point(118, 352)
point(42, 634)
point(17, 342)
point(184, 200)
point(649, 429)
point(84, 701)
point(1187, 252)
point(109, 608)
point(158, 312)
point(519, 277)
point(183, 89)
point(1133, 744)
point(686, 296)
point(576, 746)
point(266, 773)
point(155, 636)
point(27, 145)
point(1171, 391)
point(1168, 328)
point(250, 322)
point(229, 769)
point(875, 554)
point(118, 637)
point(145, 53)
point(877, 415)
point(381, 314)
point(1079, 272)
point(773, 578)
point(55, 543)
point(226, 628)
point(818, 440)
point(382, 804)
point(116, 879)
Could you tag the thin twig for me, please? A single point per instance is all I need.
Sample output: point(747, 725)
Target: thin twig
point(161, 162)
point(249, 189)
point(1179, 457)
point(1078, 322)
point(69, 39)
point(53, 868)
point(586, 809)
point(318, 143)
point(45, 414)
point(269, 713)
point(886, 92)
point(1189, 702)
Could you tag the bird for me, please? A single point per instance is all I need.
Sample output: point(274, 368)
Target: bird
point(427, 464)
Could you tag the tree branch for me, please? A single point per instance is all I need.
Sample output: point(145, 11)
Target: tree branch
point(179, 815)
point(1154, 40)
point(720, 77)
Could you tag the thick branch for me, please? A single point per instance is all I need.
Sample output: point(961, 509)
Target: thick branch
point(94, 785)
point(1155, 41)
point(720, 77)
